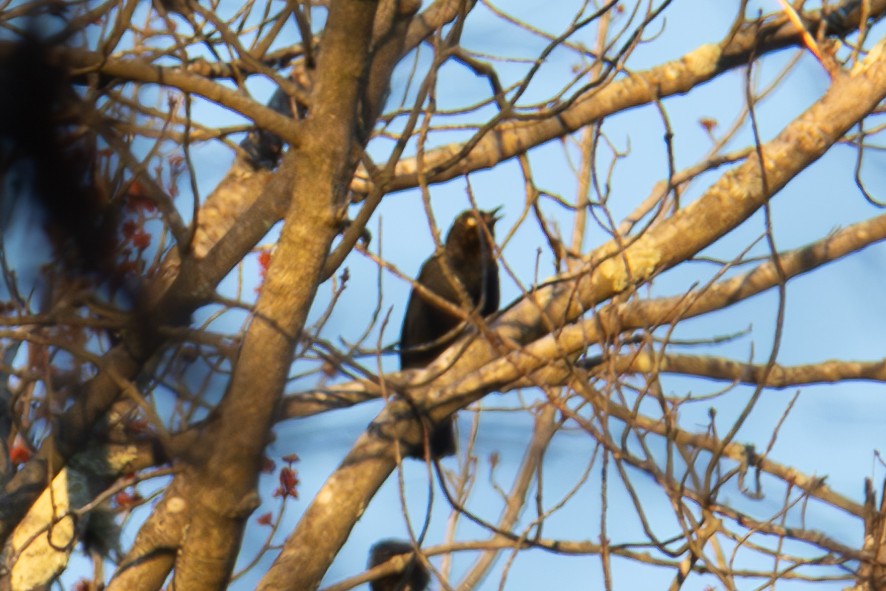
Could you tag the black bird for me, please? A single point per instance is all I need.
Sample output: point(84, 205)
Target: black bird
point(427, 329)
point(412, 578)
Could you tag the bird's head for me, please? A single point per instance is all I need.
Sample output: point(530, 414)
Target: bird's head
point(466, 229)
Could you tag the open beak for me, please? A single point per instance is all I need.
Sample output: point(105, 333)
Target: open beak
point(491, 216)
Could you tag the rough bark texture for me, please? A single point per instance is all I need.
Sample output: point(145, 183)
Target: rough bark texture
point(736, 196)
point(194, 532)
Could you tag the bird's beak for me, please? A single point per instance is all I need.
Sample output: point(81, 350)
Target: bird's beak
point(491, 216)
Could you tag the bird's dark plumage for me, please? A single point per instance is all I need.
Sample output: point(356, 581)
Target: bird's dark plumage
point(413, 578)
point(428, 329)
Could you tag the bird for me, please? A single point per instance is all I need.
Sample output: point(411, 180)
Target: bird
point(428, 330)
point(414, 577)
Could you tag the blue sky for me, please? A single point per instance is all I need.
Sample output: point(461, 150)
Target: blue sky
point(836, 312)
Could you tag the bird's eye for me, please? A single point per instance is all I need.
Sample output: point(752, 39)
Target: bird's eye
point(471, 222)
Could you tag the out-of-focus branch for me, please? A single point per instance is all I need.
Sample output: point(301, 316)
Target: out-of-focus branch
point(871, 573)
point(136, 70)
point(218, 481)
point(96, 397)
point(394, 20)
point(727, 203)
point(628, 316)
point(813, 486)
point(648, 313)
point(234, 205)
point(611, 269)
point(319, 170)
point(509, 139)
point(776, 376)
point(433, 18)
point(319, 401)
point(502, 375)
point(546, 426)
point(183, 284)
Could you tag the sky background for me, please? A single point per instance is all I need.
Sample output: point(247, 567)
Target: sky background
point(834, 313)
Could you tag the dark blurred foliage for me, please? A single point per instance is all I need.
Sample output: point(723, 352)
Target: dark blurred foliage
point(48, 158)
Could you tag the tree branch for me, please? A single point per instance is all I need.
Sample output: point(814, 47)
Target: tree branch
point(220, 480)
point(508, 138)
point(611, 269)
point(776, 376)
